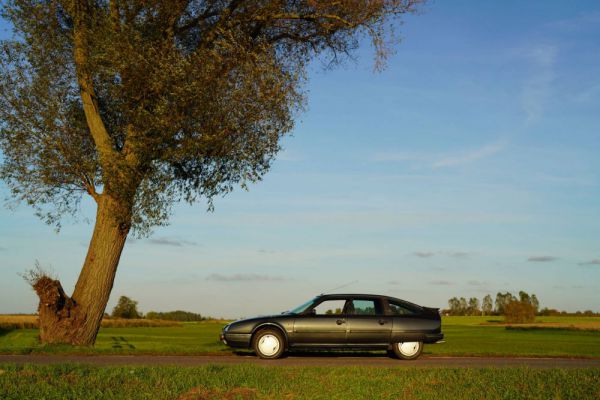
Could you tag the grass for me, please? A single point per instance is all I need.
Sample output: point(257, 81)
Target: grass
point(189, 338)
point(71, 381)
point(465, 336)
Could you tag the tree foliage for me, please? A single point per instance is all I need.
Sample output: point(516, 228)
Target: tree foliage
point(155, 101)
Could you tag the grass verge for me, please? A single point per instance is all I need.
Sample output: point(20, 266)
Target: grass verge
point(465, 336)
point(71, 381)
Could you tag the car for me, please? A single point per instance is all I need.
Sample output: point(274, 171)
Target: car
point(340, 321)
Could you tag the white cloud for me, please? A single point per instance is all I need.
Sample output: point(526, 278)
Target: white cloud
point(470, 156)
point(244, 278)
point(537, 89)
point(424, 160)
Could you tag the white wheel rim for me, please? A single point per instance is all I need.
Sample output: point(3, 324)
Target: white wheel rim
point(409, 349)
point(268, 345)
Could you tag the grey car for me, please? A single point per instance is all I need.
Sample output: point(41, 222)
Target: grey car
point(340, 321)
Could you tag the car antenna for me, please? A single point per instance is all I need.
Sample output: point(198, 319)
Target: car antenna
point(339, 287)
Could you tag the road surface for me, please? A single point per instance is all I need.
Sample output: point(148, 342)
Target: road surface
point(305, 360)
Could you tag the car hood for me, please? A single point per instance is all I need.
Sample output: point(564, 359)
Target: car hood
point(258, 318)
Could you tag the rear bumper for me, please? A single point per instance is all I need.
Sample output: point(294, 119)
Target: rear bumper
point(241, 340)
point(434, 338)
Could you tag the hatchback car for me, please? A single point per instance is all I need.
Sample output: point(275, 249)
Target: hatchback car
point(340, 321)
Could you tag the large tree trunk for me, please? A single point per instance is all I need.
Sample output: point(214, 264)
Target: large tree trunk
point(76, 320)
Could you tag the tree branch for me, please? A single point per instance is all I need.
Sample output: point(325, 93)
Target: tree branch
point(97, 128)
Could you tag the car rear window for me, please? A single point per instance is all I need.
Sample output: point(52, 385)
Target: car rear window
point(401, 308)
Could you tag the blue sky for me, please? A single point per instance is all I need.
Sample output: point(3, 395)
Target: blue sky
point(469, 166)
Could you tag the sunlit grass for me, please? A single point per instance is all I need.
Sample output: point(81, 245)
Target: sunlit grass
point(256, 382)
point(464, 336)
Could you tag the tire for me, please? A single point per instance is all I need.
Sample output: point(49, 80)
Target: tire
point(407, 350)
point(268, 343)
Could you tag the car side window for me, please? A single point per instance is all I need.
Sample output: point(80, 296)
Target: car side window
point(365, 307)
point(401, 309)
point(330, 307)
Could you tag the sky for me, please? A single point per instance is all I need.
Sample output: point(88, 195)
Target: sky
point(468, 166)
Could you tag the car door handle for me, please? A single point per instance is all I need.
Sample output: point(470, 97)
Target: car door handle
point(340, 321)
point(382, 322)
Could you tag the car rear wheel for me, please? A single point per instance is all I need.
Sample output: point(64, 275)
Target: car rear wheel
point(408, 350)
point(268, 343)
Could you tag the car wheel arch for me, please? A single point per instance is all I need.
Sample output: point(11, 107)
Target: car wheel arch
point(270, 325)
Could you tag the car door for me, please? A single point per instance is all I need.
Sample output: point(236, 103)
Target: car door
point(324, 325)
point(367, 322)
point(407, 324)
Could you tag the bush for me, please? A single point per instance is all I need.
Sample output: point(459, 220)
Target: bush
point(519, 312)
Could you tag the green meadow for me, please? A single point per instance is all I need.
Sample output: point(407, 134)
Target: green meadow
point(466, 336)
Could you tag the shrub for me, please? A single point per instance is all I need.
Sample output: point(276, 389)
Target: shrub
point(519, 312)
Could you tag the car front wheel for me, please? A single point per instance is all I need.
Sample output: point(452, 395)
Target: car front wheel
point(408, 350)
point(268, 344)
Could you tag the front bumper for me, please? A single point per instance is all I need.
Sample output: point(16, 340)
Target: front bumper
point(241, 340)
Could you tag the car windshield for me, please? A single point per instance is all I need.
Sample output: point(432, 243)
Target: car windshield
point(302, 307)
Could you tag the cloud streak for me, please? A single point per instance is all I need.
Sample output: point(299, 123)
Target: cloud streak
point(469, 156)
point(427, 254)
point(537, 89)
point(595, 261)
point(542, 259)
point(423, 254)
point(248, 277)
point(171, 242)
point(441, 283)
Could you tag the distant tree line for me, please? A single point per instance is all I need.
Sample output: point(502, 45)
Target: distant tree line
point(516, 309)
point(126, 308)
point(178, 315)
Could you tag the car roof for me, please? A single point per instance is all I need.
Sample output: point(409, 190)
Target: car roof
point(363, 296)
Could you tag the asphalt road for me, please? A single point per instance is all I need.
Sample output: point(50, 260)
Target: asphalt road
point(306, 360)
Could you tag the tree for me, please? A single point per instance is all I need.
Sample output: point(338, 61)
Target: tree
point(502, 299)
point(487, 305)
point(535, 303)
point(454, 306)
point(473, 308)
point(126, 308)
point(141, 103)
point(463, 306)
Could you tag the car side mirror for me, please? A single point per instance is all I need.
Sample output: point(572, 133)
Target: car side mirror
point(313, 312)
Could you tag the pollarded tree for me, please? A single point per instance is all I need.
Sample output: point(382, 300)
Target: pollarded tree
point(139, 103)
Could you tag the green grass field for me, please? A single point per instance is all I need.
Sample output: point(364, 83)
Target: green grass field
point(255, 382)
point(464, 336)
